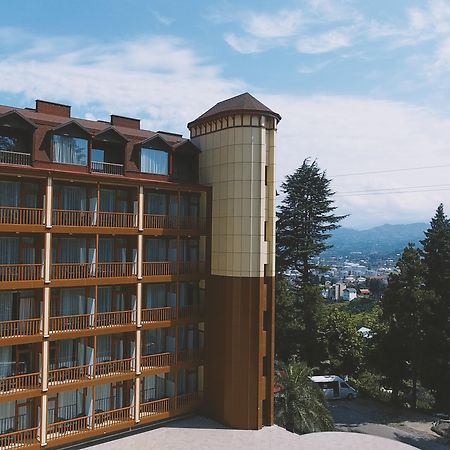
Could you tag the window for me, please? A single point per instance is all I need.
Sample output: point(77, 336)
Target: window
point(70, 150)
point(154, 161)
point(98, 155)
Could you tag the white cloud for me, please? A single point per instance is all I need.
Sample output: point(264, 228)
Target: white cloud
point(268, 26)
point(164, 20)
point(324, 43)
point(244, 44)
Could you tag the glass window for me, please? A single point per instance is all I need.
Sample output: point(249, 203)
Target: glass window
point(70, 150)
point(13, 143)
point(98, 154)
point(154, 161)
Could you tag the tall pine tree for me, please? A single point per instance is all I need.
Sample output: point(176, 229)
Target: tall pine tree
point(436, 254)
point(305, 219)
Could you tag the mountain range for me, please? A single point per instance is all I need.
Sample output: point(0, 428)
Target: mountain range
point(385, 240)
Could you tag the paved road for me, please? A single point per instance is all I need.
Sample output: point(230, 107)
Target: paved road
point(370, 417)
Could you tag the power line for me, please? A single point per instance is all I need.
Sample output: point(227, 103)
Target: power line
point(400, 188)
point(403, 169)
point(390, 193)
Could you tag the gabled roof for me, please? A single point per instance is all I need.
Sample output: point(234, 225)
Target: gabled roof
point(241, 103)
point(110, 134)
point(16, 120)
point(68, 128)
point(158, 140)
point(186, 145)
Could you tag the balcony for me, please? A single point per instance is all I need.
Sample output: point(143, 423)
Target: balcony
point(114, 417)
point(66, 375)
point(157, 360)
point(115, 319)
point(63, 428)
point(20, 272)
point(159, 268)
point(117, 220)
point(17, 383)
point(17, 328)
point(72, 271)
point(158, 314)
point(116, 367)
point(106, 168)
point(73, 218)
point(156, 407)
point(160, 221)
point(10, 215)
point(71, 323)
point(188, 400)
point(19, 439)
point(16, 158)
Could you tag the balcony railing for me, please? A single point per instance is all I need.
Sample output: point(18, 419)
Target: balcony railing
point(186, 400)
point(119, 366)
point(19, 439)
point(114, 318)
point(66, 427)
point(70, 271)
point(71, 323)
point(74, 218)
point(157, 360)
point(25, 327)
point(159, 268)
point(20, 159)
point(69, 374)
point(20, 272)
point(154, 407)
point(10, 215)
point(158, 314)
point(117, 219)
point(160, 221)
point(107, 168)
point(19, 383)
point(110, 418)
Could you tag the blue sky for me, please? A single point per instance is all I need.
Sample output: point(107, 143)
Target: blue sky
point(361, 86)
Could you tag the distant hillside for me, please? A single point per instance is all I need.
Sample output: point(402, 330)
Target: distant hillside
point(384, 240)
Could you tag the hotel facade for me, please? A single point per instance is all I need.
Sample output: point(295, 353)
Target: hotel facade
point(136, 272)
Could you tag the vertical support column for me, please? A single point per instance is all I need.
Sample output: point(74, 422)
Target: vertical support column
point(45, 355)
point(43, 433)
point(46, 312)
point(138, 352)
point(48, 202)
point(139, 305)
point(137, 400)
point(140, 255)
point(141, 208)
point(47, 256)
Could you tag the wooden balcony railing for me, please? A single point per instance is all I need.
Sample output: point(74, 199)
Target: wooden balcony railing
point(24, 327)
point(117, 219)
point(110, 418)
point(107, 168)
point(158, 314)
point(114, 318)
point(118, 366)
point(65, 427)
point(10, 215)
point(69, 271)
point(20, 159)
point(116, 269)
point(159, 268)
point(19, 383)
point(20, 272)
point(19, 439)
point(73, 218)
point(160, 221)
point(157, 360)
point(69, 374)
point(187, 399)
point(154, 407)
point(71, 323)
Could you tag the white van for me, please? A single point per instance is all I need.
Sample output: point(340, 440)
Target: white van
point(335, 387)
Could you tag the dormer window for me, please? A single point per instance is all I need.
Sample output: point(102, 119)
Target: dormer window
point(154, 161)
point(70, 150)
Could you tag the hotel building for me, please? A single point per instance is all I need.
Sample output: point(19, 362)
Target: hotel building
point(136, 272)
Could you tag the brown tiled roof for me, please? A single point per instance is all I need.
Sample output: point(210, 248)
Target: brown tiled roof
point(241, 103)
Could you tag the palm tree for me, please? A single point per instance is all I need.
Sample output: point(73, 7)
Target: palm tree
point(300, 405)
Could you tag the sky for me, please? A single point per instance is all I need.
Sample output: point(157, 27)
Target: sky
point(363, 87)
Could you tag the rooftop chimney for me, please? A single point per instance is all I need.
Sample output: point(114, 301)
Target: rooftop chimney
point(126, 122)
point(55, 109)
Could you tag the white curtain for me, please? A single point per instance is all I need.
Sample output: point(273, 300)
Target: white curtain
point(154, 161)
point(26, 308)
point(104, 348)
point(66, 356)
point(9, 250)
point(73, 301)
point(70, 404)
point(7, 416)
point(70, 150)
point(6, 363)
point(149, 392)
point(73, 250)
point(9, 193)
